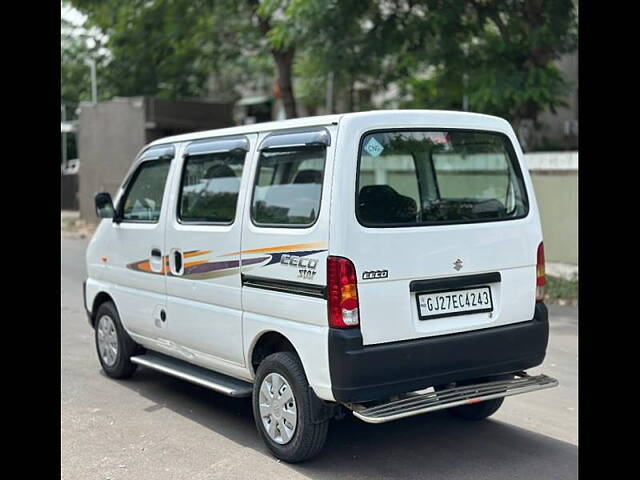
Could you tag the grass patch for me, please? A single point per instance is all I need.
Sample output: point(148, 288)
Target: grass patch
point(557, 287)
point(67, 224)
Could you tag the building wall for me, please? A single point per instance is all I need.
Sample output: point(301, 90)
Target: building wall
point(110, 134)
point(69, 192)
point(557, 195)
point(555, 180)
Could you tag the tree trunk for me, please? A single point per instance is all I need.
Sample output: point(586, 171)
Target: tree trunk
point(351, 94)
point(284, 64)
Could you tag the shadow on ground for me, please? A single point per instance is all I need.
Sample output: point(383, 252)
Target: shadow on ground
point(430, 446)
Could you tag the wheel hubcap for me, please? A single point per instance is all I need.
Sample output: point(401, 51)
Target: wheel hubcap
point(107, 340)
point(278, 408)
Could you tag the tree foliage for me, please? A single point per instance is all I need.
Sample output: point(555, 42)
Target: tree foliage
point(154, 46)
point(78, 45)
point(505, 49)
point(498, 54)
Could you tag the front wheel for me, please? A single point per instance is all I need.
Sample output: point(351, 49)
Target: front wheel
point(282, 409)
point(113, 345)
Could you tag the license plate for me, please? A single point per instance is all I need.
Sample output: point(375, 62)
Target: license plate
point(447, 303)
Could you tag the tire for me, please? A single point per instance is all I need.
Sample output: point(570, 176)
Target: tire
point(116, 365)
point(480, 410)
point(307, 438)
point(477, 411)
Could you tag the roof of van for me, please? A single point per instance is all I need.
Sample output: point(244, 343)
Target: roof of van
point(321, 120)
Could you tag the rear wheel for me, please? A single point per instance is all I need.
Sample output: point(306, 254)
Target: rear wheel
point(477, 411)
point(113, 344)
point(282, 409)
point(480, 410)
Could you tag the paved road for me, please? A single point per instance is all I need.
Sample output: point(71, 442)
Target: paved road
point(156, 427)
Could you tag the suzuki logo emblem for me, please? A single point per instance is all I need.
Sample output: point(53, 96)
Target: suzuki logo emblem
point(457, 265)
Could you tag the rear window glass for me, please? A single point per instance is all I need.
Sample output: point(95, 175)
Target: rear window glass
point(409, 178)
point(288, 186)
point(210, 186)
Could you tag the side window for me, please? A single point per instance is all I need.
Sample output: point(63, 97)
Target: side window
point(288, 186)
point(209, 187)
point(143, 199)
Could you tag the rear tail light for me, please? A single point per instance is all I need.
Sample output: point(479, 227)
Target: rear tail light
point(342, 293)
point(540, 278)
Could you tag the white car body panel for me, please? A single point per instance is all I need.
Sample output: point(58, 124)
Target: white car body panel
point(215, 323)
point(205, 314)
point(388, 311)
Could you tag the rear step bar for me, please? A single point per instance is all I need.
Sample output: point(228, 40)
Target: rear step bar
point(452, 397)
point(194, 374)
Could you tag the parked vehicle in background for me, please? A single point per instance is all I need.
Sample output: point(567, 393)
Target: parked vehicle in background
point(385, 263)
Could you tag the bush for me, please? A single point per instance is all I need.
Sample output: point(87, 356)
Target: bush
point(558, 287)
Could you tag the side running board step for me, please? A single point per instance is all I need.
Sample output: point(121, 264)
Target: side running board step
point(416, 404)
point(194, 374)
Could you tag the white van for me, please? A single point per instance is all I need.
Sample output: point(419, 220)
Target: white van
point(385, 263)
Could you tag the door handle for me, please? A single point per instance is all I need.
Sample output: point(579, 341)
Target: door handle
point(176, 262)
point(155, 262)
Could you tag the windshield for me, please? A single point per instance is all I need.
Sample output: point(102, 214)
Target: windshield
point(409, 178)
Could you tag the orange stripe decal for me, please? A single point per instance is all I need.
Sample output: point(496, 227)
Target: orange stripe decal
point(197, 253)
point(297, 246)
point(145, 267)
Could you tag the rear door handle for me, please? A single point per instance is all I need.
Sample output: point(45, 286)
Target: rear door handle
point(176, 262)
point(155, 252)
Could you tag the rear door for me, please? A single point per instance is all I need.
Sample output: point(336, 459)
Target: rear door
point(204, 315)
point(444, 233)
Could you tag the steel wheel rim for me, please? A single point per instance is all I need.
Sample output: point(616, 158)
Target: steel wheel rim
point(107, 340)
point(278, 411)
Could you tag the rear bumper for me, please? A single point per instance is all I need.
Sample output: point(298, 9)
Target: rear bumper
point(360, 374)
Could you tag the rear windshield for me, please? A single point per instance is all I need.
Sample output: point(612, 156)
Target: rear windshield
point(409, 178)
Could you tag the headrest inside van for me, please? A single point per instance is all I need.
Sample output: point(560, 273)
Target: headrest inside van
point(382, 204)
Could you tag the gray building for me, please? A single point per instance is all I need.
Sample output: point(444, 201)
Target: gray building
point(111, 133)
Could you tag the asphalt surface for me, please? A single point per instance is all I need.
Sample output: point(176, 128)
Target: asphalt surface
point(153, 426)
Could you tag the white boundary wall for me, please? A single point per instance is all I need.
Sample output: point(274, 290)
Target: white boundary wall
point(555, 179)
point(552, 161)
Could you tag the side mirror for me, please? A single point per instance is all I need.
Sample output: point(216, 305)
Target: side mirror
point(104, 205)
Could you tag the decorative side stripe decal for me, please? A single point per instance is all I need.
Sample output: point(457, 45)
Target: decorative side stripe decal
point(144, 266)
point(195, 253)
point(281, 248)
point(275, 258)
point(214, 266)
point(205, 269)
